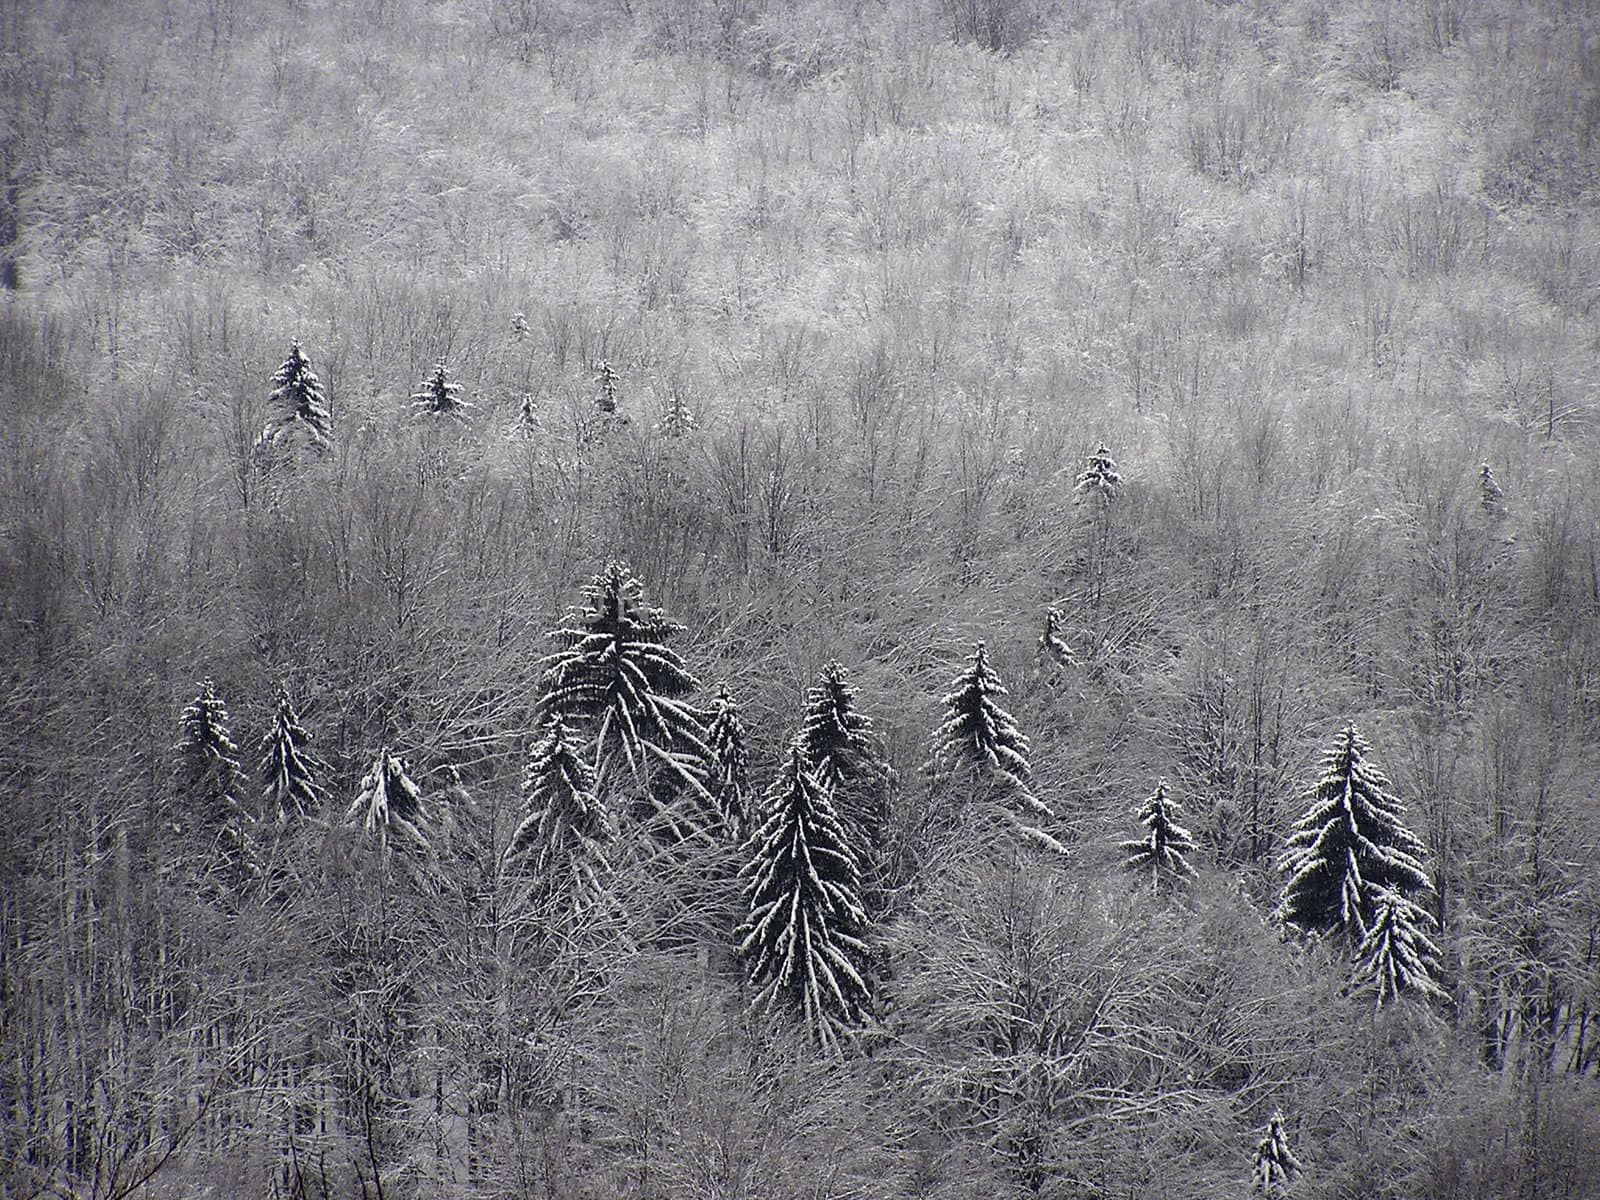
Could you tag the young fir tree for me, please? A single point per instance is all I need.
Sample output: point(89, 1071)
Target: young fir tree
point(1397, 955)
point(389, 806)
point(439, 398)
point(1275, 1166)
point(1099, 482)
point(286, 765)
point(1490, 494)
point(981, 738)
point(605, 377)
point(565, 829)
point(1052, 644)
point(677, 418)
point(1162, 850)
point(802, 938)
point(210, 785)
point(839, 743)
point(730, 772)
point(616, 677)
point(1350, 847)
point(300, 407)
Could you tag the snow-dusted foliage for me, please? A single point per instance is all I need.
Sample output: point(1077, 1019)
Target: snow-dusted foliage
point(843, 752)
point(1490, 493)
point(439, 397)
point(677, 418)
point(802, 940)
point(1397, 955)
point(519, 326)
point(1350, 848)
point(390, 807)
point(211, 815)
point(1162, 852)
point(287, 766)
point(1099, 481)
point(1275, 1166)
point(300, 409)
point(730, 764)
point(606, 379)
point(615, 678)
point(1052, 644)
point(980, 737)
point(565, 829)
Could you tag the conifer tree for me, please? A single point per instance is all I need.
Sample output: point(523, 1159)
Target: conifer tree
point(802, 938)
point(1396, 955)
point(210, 785)
point(1099, 482)
point(1051, 644)
point(286, 764)
point(565, 829)
point(606, 378)
point(440, 397)
point(677, 418)
point(390, 807)
point(519, 326)
point(1490, 493)
point(1162, 850)
point(980, 737)
point(300, 407)
point(730, 778)
point(616, 678)
point(1349, 848)
point(1276, 1166)
point(840, 746)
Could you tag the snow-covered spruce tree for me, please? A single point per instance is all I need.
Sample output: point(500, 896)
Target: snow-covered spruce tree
point(1099, 481)
point(1490, 494)
point(211, 816)
point(1162, 851)
point(439, 398)
point(286, 764)
point(981, 738)
point(1052, 644)
point(605, 377)
point(300, 409)
point(844, 754)
point(390, 807)
point(730, 764)
point(616, 678)
point(565, 829)
point(802, 940)
point(1350, 847)
point(1397, 955)
point(1275, 1166)
point(677, 418)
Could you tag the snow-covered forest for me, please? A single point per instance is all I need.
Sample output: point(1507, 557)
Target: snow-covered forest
point(870, 599)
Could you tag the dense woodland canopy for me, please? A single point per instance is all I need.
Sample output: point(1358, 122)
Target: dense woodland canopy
point(461, 462)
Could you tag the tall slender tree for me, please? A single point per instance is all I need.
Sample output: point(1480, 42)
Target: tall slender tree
point(730, 763)
point(616, 678)
point(844, 753)
point(802, 938)
point(211, 817)
point(1350, 848)
point(565, 829)
point(292, 790)
point(1490, 493)
point(1275, 1165)
point(1163, 851)
point(981, 739)
point(390, 807)
point(300, 407)
point(1397, 955)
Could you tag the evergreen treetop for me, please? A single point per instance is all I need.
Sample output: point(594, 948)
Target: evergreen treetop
point(1275, 1165)
point(440, 397)
point(616, 677)
point(301, 408)
point(210, 783)
point(802, 938)
point(1350, 847)
point(730, 769)
point(389, 806)
point(1051, 642)
point(1490, 494)
point(1397, 956)
point(606, 378)
point(1100, 480)
point(677, 418)
point(843, 752)
point(1164, 848)
point(565, 829)
point(292, 790)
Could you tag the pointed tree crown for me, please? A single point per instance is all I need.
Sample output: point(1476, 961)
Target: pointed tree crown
point(1490, 494)
point(1164, 850)
point(802, 937)
point(1099, 480)
point(389, 806)
point(1052, 643)
point(300, 404)
point(606, 378)
point(287, 766)
point(210, 783)
point(1349, 847)
point(565, 828)
point(1397, 955)
point(730, 764)
point(1275, 1165)
point(440, 397)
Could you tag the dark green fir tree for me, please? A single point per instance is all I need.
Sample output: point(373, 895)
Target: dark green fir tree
point(287, 766)
point(299, 407)
point(845, 755)
point(1276, 1167)
point(730, 763)
point(211, 817)
point(1162, 853)
point(389, 808)
point(565, 832)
